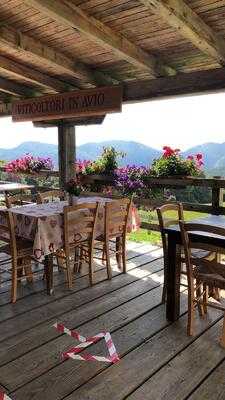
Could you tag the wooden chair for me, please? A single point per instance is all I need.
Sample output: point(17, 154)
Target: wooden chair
point(50, 195)
point(206, 272)
point(19, 250)
point(114, 238)
point(20, 199)
point(79, 234)
point(164, 222)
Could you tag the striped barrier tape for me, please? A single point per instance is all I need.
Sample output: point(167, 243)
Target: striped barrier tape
point(3, 396)
point(85, 342)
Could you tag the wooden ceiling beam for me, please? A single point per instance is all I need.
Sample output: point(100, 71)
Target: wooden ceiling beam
point(5, 109)
point(15, 89)
point(200, 82)
point(180, 16)
point(67, 14)
point(11, 39)
point(18, 70)
point(211, 81)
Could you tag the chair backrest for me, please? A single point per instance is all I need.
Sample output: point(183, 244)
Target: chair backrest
point(191, 241)
point(92, 194)
point(7, 230)
point(117, 213)
point(19, 199)
point(50, 195)
point(176, 214)
point(80, 224)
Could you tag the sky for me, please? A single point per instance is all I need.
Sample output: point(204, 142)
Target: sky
point(181, 122)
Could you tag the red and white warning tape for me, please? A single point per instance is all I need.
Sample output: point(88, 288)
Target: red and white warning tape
point(3, 396)
point(85, 342)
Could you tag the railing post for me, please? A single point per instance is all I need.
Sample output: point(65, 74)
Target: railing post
point(217, 200)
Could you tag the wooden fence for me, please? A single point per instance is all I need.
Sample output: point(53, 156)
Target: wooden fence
point(216, 185)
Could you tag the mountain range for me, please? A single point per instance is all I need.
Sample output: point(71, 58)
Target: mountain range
point(135, 153)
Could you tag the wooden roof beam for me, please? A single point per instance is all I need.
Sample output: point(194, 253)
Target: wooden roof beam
point(18, 70)
point(5, 109)
point(67, 14)
point(15, 89)
point(182, 84)
point(211, 81)
point(10, 38)
point(180, 16)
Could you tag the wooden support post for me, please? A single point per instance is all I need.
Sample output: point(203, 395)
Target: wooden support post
point(217, 200)
point(66, 152)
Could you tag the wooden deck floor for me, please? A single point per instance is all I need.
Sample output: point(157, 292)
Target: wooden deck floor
point(158, 361)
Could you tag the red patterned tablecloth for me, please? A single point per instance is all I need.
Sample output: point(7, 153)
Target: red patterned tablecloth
point(43, 223)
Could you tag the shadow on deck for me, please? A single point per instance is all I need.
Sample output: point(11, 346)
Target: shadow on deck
point(158, 360)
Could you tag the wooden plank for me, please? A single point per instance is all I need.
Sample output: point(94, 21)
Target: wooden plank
point(32, 75)
point(16, 89)
point(68, 105)
point(190, 370)
point(96, 120)
point(213, 387)
point(14, 39)
point(110, 312)
point(181, 84)
point(180, 16)
point(143, 362)
point(63, 302)
point(5, 109)
point(38, 289)
point(70, 15)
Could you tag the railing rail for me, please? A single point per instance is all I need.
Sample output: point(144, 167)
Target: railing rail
point(216, 185)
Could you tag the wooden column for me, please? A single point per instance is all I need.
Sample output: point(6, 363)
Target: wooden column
point(66, 152)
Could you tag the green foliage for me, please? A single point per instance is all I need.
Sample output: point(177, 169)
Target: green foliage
point(174, 166)
point(107, 163)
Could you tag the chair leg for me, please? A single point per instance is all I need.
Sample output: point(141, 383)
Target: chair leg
point(191, 311)
point(205, 297)
point(69, 274)
point(118, 251)
point(28, 272)
point(198, 295)
point(108, 265)
point(164, 291)
point(124, 255)
point(14, 282)
point(77, 256)
point(91, 259)
point(103, 254)
point(222, 339)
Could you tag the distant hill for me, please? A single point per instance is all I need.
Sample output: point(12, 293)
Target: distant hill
point(136, 153)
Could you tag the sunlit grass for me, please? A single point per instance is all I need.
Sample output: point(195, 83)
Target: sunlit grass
point(142, 235)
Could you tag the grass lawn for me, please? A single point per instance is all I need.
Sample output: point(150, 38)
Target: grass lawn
point(142, 235)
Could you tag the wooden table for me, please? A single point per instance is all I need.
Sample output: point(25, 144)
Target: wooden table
point(173, 273)
point(43, 223)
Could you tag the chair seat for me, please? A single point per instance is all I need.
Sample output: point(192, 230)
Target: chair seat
point(198, 254)
point(24, 248)
point(210, 278)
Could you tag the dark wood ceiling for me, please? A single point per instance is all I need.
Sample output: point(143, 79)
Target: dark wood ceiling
point(50, 46)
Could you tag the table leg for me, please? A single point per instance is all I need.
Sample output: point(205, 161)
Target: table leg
point(48, 266)
point(173, 280)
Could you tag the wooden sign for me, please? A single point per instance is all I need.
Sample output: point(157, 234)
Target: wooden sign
point(78, 103)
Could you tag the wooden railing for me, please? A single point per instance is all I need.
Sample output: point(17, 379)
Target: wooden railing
point(216, 185)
